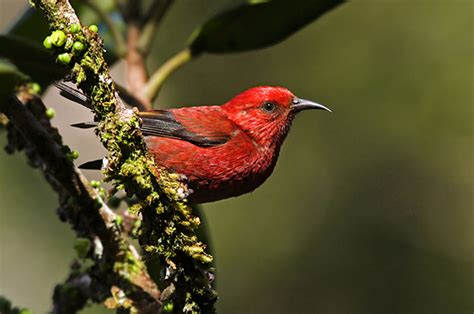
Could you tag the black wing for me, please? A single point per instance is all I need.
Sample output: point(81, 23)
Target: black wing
point(163, 123)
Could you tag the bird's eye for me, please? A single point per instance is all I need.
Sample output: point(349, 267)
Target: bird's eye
point(269, 106)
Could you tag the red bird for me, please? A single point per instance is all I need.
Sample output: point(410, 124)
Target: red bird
point(226, 150)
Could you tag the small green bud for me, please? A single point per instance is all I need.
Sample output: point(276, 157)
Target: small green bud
point(94, 28)
point(64, 58)
point(25, 311)
point(73, 155)
point(50, 113)
point(58, 38)
point(102, 193)
point(35, 88)
point(48, 43)
point(78, 46)
point(95, 184)
point(74, 28)
point(168, 307)
point(82, 246)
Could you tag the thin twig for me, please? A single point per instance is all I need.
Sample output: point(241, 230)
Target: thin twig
point(158, 78)
point(134, 10)
point(157, 10)
point(120, 5)
point(137, 75)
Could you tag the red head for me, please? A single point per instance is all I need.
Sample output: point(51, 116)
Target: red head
point(266, 112)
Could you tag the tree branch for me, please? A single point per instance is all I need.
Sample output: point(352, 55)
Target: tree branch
point(156, 12)
point(80, 204)
point(158, 78)
point(168, 228)
point(137, 75)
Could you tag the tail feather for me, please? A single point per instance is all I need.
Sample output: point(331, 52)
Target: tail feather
point(77, 96)
point(72, 94)
point(84, 125)
point(92, 165)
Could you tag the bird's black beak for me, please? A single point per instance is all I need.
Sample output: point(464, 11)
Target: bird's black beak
point(299, 104)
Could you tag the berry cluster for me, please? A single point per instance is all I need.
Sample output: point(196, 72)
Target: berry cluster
point(69, 45)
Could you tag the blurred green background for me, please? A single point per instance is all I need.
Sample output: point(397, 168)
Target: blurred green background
point(370, 208)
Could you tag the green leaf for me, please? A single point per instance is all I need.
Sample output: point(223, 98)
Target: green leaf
point(31, 59)
point(257, 24)
point(10, 76)
point(31, 25)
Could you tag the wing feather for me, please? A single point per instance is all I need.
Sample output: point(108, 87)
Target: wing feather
point(201, 126)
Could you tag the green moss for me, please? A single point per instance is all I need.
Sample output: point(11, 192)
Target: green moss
point(69, 43)
point(119, 220)
point(128, 265)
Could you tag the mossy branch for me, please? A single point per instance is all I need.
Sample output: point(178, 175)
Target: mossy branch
point(82, 206)
point(168, 228)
